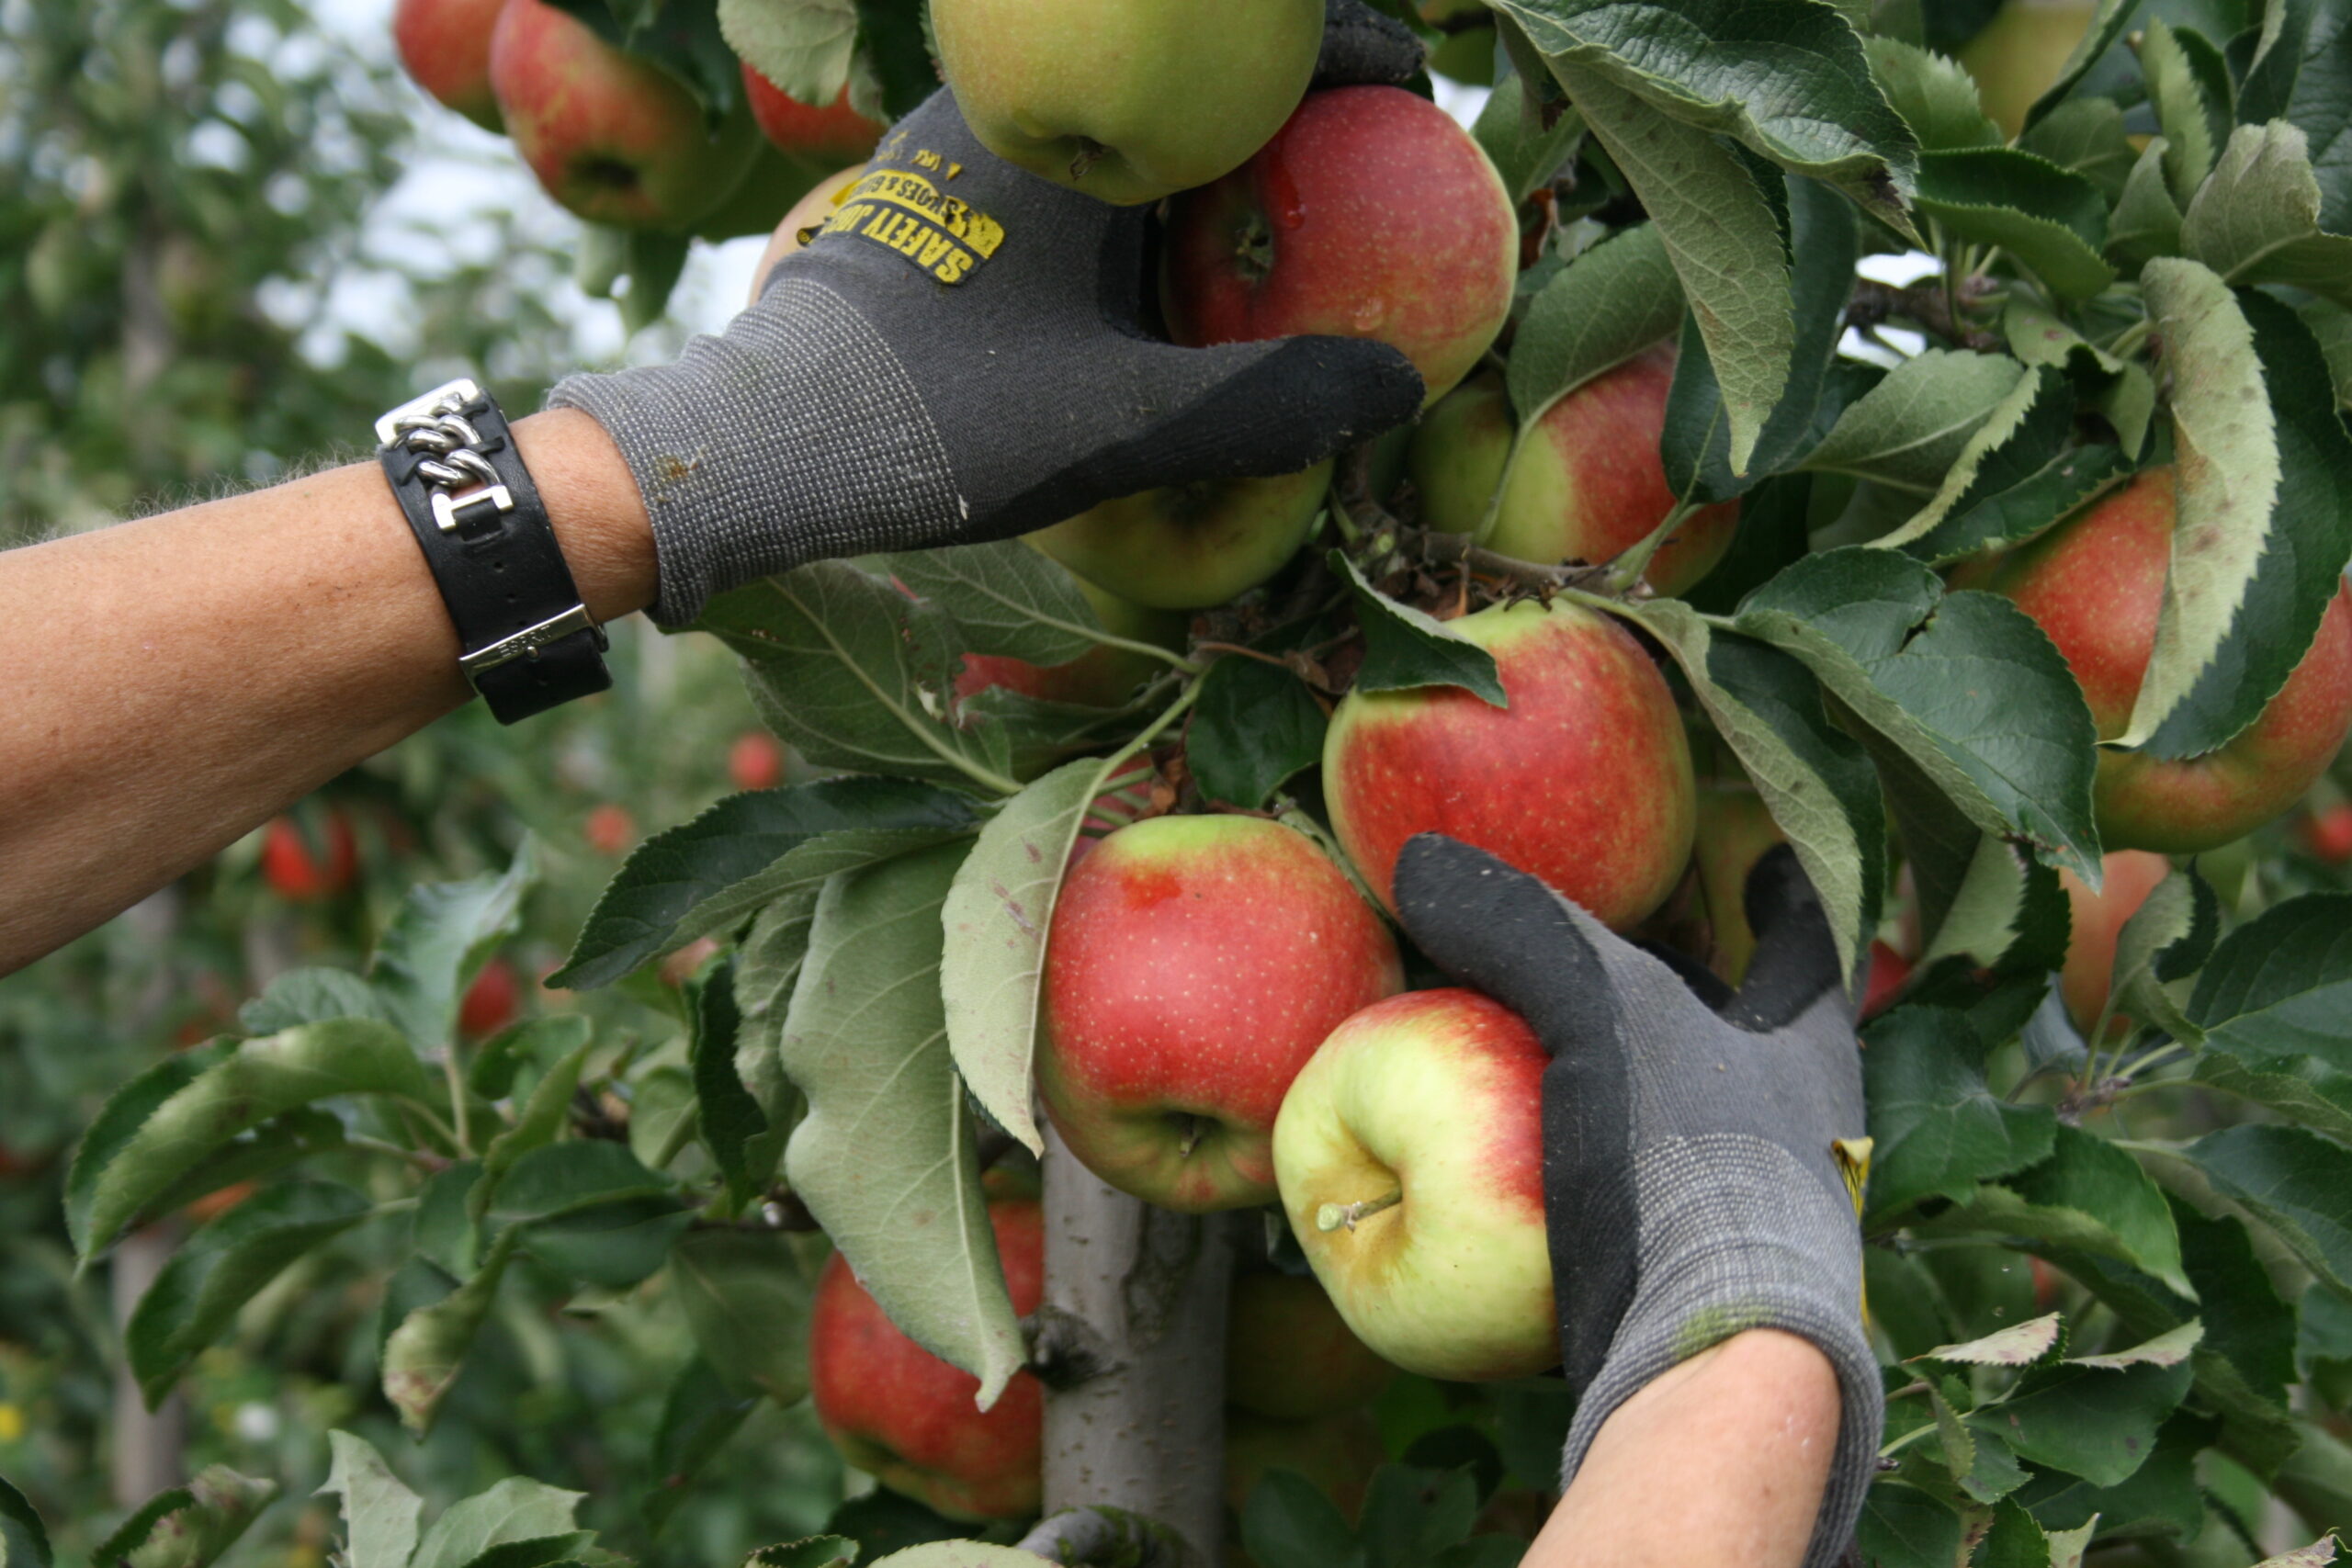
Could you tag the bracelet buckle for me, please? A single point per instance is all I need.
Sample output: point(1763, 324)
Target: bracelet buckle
point(527, 642)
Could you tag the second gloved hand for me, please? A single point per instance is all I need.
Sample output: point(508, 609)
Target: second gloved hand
point(958, 357)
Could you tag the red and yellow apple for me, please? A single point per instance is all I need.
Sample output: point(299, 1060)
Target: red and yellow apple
point(1194, 546)
point(1410, 1159)
point(611, 137)
point(1370, 215)
point(1103, 676)
point(1583, 781)
point(444, 46)
point(1193, 965)
point(1127, 100)
point(2095, 583)
point(2127, 877)
point(834, 135)
point(1289, 1356)
point(1884, 974)
point(909, 1419)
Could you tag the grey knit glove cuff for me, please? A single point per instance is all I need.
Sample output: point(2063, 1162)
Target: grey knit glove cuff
point(957, 355)
point(1694, 1181)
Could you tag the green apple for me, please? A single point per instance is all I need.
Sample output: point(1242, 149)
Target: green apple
point(1193, 545)
point(1409, 1153)
point(1129, 100)
point(2016, 56)
point(1734, 830)
point(1458, 453)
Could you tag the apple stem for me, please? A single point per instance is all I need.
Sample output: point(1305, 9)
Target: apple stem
point(1628, 568)
point(1194, 1131)
point(1337, 1216)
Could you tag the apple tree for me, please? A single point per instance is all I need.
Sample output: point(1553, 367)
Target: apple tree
point(1964, 500)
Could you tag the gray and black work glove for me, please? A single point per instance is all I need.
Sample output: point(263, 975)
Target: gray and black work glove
point(959, 356)
point(1694, 1185)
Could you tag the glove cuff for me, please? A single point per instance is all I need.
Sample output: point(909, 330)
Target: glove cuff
point(794, 436)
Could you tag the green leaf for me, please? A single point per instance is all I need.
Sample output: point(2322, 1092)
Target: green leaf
point(681, 37)
point(424, 1355)
point(204, 1519)
point(312, 995)
point(2106, 26)
point(549, 1110)
point(2279, 987)
point(1981, 895)
point(196, 1296)
point(513, 1510)
point(2321, 102)
point(591, 1210)
point(2019, 1345)
point(1965, 685)
point(1911, 428)
point(2119, 389)
point(1988, 518)
point(2169, 1348)
point(1404, 649)
point(884, 1159)
point(656, 259)
point(2087, 136)
point(1936, 98)
point(731, 1120)
point(1525, 151)
point(746, 1300)
point(438, 942)
point(2228, 480)
point(1936, 1128)
point(1786, 78)
point(379, 1514)
point(262, 1079)
point(2297, 1183)
point(1902, 1527)
point(1289, 1523)
point(745, 854)
point(1812, 777)
point(2186, 112)
point(2027, 430)
point(1719, 229)
point(1005, 599)
point(2161, 1497)
point(2255, 219)
point(1254, 728)
point(2087, 1195)
point(767, 967)
point(817, 1551)
point(2051, 219)
point(1411, 1514)
point(2166, 939)
point(2091, 1422)
point(699, 1414)
point(960, 1554)
point(803, 46)
point(2331, 326)
point(536, 1041)
point(850, 672)
point(539, 1551)
point(1606, 306)
point(2146, 221)
point(2014, 1540)
point(117, 1123)
point(23, 1540)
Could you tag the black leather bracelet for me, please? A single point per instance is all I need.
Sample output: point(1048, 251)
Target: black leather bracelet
point(528, 643)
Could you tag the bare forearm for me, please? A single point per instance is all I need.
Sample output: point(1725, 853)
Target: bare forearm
point(171, 682)
point(1723, 1459)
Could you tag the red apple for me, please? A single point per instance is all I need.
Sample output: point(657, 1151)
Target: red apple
point(1195, 964)
point(2128, 877)
point(835, 134)
point(308, 872)
point(1103, 676)
point(1371, 214)
point(1884, 979)
point(1410, 1154)
point(1590, 484)
point(1290, 1356)
point(445, 45)
point(610, 830)
point(1190, 547)
point(610, 136)
point(2327, 833)
point(489, 1003)
point(908, 1418)
point(755, 761)
point(2095, 583)
point(1583, 781)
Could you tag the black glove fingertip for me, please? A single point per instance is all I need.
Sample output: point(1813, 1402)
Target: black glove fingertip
point(1797, 953)
point(1363, 48)
point(1501, 931)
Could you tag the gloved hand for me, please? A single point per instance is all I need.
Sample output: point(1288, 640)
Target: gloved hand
point(1692, 1186)
point(958, 356)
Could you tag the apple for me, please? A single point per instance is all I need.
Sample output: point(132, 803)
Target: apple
point(1289, 1355)
point(755, 761)
point(305, 870)
point(2327, 833)
point(610, 830)
point(1371, 214)
point(1466, 53)
point(1735, 829)
point(772, 184)
point(909, 1419)
point(610, 136)
point(1193, 965)
point(1194, 546)
point(1590, 485)
point(1337, 1453)
point(2095, 583)
point(1410, 1159)
point(444, 46)
point(834, 135)
point(2128, 876)
point(1127, 100)
point(807, 215)
point(1883, 978)
point(1103, 676)
point(1583, 781)
point(1458, 453)
point(489, 1003)
point(2016, 56)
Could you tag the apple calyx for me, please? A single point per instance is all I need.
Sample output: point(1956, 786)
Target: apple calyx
point(1336, 1216)
point(1253, 247)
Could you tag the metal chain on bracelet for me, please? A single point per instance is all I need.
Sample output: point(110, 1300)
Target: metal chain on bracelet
point(461, 479)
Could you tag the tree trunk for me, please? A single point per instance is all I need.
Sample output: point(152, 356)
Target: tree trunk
point(1132, 1349)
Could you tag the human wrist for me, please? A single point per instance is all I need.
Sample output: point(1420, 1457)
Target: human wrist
point(592, 502)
